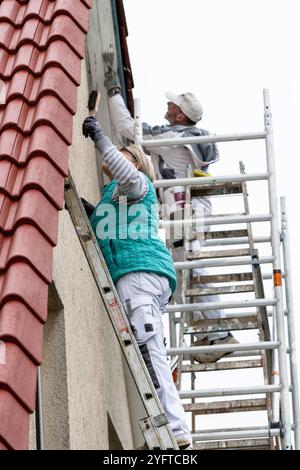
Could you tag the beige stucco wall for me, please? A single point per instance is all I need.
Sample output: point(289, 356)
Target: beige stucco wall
point(83, 374)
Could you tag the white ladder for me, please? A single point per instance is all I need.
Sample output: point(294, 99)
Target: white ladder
point(235, 284)
point(287, 382)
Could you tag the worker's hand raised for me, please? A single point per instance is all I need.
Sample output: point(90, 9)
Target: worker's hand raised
point(91, 128)
point(111, 81)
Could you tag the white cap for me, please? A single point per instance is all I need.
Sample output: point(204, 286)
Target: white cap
point(188, 103)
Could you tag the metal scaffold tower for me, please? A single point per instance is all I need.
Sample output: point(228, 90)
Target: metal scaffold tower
point(274, 354)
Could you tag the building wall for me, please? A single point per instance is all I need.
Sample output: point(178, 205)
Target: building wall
point(85, 403)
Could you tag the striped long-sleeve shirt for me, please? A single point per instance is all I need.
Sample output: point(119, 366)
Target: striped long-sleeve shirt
point(131, 182)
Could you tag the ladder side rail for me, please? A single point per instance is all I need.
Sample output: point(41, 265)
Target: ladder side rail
point(276, 379)
point(172, 329)
point(138, 128)
point(262, 316)
point(259, 291)
point(290, 320)
point(117, 316)
point(186, 280)
point(278, 291)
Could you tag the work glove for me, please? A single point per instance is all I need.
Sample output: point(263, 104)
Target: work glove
point(91, 128)
point(89, 208)
point(111, 81)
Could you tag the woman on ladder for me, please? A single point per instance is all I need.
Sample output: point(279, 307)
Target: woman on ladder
point(125, 222)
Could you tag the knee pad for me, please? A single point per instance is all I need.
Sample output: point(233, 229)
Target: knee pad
point(142, 318)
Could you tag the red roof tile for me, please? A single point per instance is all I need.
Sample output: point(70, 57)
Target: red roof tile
point(39, 174)
point(20, 282)
point(44, 10)
point(40, 35)
point(30, 58)
point(19, 376)
point(33, 208)
point(48, 110)
point(44, 142)
point(18, 325)
point(27, 244)
point(25, 86)
point(41, 44)
point(14, 422)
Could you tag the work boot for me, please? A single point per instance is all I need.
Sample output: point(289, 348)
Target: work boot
point(215, 355)
point(182, 441)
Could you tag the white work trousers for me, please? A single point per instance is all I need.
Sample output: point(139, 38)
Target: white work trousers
point(202, 209)
point(144, 297)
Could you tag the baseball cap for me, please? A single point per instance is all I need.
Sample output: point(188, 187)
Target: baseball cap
point(188, 103)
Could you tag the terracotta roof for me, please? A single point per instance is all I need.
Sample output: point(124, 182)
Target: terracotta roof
point(41, 45)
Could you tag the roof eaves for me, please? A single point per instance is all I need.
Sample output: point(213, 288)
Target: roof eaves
point(41, 45)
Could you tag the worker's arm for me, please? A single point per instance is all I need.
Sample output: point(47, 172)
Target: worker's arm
point(121, 117)
point(124, 123)
point(132, 183)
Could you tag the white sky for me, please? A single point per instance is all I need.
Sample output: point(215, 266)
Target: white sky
point(226, 52)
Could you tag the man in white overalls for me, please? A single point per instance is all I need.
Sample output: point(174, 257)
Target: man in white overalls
point(183, 112)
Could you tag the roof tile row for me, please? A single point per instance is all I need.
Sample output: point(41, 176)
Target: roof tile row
point(44, 10)
point(44, 142)
point(21, 327)
point(41, 44)
point(39, 174)
point(20, 282)
point(40, 35)
point(14, 422)
point(48, 110)
point(30, 58)
point(33, 208)
point(29, 88)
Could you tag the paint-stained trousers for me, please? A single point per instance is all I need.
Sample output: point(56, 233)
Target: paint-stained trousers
point(144, 297)
point(201, 209)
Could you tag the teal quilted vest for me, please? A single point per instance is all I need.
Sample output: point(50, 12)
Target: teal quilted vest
point(128, 236)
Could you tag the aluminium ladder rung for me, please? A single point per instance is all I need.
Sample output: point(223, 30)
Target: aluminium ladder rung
point(219, 189)
point(225, 234)
point(196, 292)
point(218, 254)
point(221, 324)
point(227, 392)
point(214, 263)
point(234, 444)
point(226, 348)
point(214, 278)
point(220, 305)
point(196, 181)
point(216, 220)
point(229, 214)
point(226, 406)
point(222, 365)
point(234, 241)
point(235, 434)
